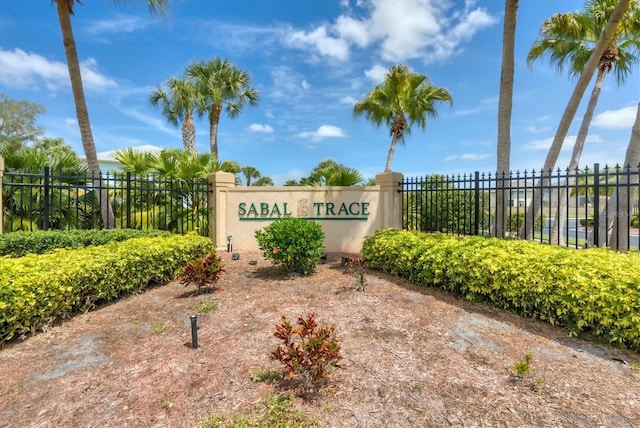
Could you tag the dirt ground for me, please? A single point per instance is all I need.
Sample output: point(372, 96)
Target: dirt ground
point(412, 358)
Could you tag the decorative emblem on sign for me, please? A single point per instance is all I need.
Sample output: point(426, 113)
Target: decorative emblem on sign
point(302, 207)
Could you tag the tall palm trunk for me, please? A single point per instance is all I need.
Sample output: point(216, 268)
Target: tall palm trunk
point(556, 236)
point(572, 106)
point(504, 113)
point(392, 149)
point(214, 119)
point(64, 17)
point(189, 134)
point(398, 126)
point(620, 202)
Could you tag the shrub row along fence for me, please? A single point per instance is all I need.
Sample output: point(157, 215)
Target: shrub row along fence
point(58, 201)
point(578, 208)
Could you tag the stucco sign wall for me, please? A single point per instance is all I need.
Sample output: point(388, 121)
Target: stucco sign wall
point(346, 214)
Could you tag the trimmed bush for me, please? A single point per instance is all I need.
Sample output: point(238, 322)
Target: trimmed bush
point(293, 243)
point(18, 244)
point(40, 289)
point(593, 292)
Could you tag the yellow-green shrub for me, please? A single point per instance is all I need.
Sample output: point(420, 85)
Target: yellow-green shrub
point(38, 289)
point(594, 291)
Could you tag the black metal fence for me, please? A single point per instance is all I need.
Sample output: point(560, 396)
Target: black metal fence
point(577, 208)
point(48, 200)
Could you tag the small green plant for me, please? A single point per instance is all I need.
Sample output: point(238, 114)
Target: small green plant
point(308, 351)
point(516, 220)
point(293, 243)
point(206, 306)
point(267, 375)
point(356, 267)
point(586, 221)
point(166, 404)
point(277, 412)
point(202, 272)
point(523, 367)
point(158, 327)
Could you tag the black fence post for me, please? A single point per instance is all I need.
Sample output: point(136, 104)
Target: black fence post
point(476, 207)
point(596, 204)
point(47, 189)
point(128, 200)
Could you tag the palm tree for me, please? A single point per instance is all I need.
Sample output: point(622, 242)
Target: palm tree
point(345, 177)
point(505, 104)
point(263, 181)
point(404, 98)
point(179, 101)
point(134, 161)
point(221, 85)
point(572, 106)
point(180, 171)
point(249, 173)
point(624, 198)
point(569, 38)
point(65, 9)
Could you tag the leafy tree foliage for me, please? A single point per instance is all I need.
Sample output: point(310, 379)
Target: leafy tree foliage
point(18, 122)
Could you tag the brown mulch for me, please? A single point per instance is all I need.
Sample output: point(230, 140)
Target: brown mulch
point(412, 358)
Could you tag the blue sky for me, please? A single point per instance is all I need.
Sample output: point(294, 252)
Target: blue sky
point(310, 61)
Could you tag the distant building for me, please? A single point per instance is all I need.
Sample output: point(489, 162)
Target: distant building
point(107, 161)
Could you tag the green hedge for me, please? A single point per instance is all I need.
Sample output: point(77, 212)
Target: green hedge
point(17, 244)
point(39, 289)
point(594, 292)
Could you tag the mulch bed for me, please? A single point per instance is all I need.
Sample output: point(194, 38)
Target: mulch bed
point(413, 357)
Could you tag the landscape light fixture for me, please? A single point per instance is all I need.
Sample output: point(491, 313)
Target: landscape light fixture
point(194, 331)
point(229, 243)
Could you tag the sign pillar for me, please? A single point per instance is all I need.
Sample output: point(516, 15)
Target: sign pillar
point(390, 199)
point(220, 183)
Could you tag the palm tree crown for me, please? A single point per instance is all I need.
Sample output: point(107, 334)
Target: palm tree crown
point(222, 85)
point(179, 101)
point(403, 99)
point(568, 39)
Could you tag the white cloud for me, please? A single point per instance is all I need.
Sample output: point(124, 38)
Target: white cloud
point(306, 85)
point(467, 156)
point(286, 82)
point(118, 24)
point(28, 70)
point(256, 127)
point(616, 119)
point(323, 43)
point(325, 131)
point(404, 27)
point(91, 77)
point(352, 30)
point(569, 141)
point(466, 112)
point(376, 73)
point(348, 100)
point(535, 129)
point(400, 30)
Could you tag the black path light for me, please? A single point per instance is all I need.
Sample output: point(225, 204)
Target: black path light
point(229, 244)
point(194, 331)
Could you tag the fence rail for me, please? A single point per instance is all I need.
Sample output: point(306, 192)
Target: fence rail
point(578, 208)
point(52, 200)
